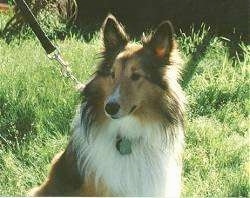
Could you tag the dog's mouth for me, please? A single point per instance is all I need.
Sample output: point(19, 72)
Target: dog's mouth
point(132, 109)
point(130, 112)
point(114, 117)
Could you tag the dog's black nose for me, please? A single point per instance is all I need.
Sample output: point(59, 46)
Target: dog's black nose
point(112, 108)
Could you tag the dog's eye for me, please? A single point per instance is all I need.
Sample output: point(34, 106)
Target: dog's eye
point(112, 75)
point(135, 76)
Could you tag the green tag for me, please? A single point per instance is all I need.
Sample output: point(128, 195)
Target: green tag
point(124, 146)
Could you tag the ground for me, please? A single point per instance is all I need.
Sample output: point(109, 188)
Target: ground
point(37, 106)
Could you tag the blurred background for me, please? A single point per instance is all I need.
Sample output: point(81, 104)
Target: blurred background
point(229, 18)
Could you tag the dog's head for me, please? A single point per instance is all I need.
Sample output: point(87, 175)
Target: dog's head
point(131, 78)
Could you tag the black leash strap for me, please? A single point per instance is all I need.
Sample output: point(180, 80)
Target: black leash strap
point(44, 40)
point(51, 50)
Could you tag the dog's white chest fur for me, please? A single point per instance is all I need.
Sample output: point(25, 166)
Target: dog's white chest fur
point(152, 169)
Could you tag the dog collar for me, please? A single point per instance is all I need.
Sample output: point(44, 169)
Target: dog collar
point(123, 145)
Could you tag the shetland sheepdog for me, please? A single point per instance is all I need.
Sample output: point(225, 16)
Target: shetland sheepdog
point(128, 134)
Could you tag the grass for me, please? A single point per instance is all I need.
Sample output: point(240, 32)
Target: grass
point(37, 105)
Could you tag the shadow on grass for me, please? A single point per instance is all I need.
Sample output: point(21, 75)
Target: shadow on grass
point(195, 59)
point(239, 190)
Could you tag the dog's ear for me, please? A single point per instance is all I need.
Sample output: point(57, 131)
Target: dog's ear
point(114, 36)
point(161, 41)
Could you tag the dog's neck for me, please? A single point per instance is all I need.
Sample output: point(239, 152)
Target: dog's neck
point(151, 151)
point(132, 132)
point(123, 145)
point(151, 132)
point(129, 127)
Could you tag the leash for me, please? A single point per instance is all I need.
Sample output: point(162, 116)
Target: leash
point(51, 50)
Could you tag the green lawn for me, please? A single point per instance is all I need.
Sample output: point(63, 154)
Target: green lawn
point(37, 106)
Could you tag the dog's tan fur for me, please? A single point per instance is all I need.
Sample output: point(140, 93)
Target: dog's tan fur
point(153, 92)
